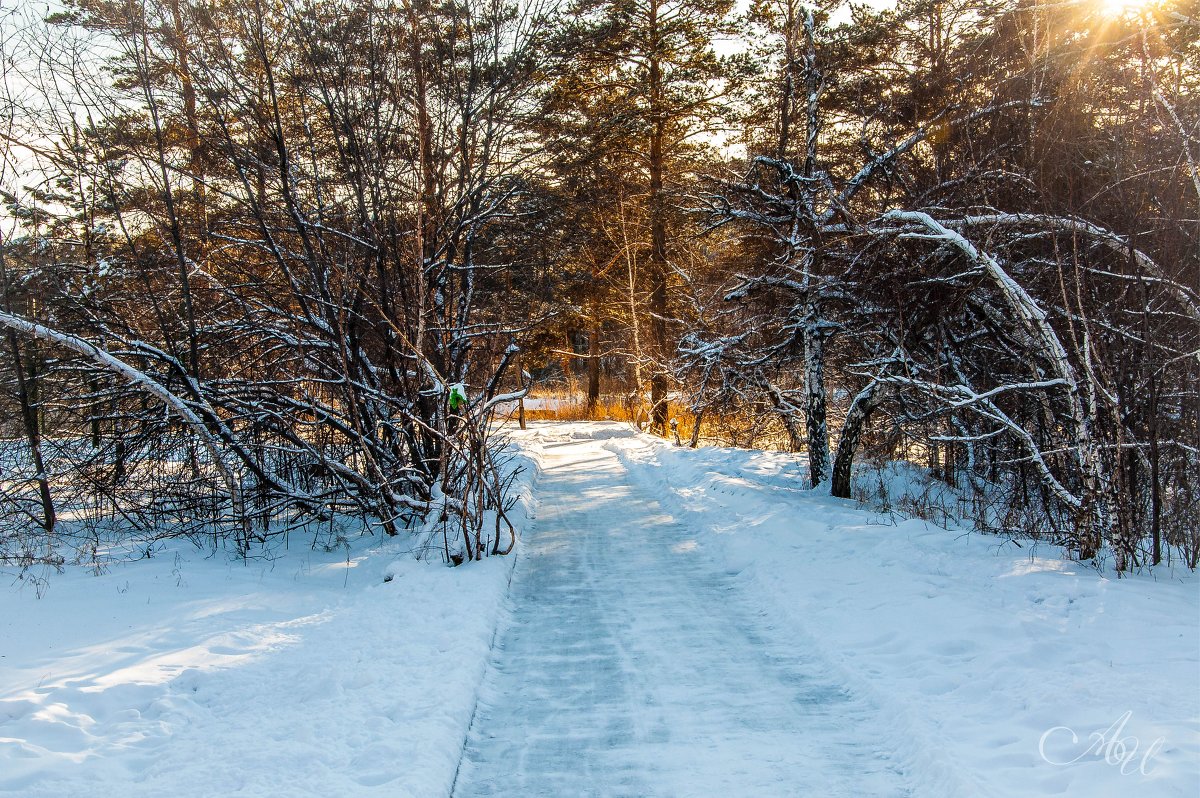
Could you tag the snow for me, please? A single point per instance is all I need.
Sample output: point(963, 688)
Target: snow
point(537, 403)
point(343, 673)
point(189, 676)
point(677, 622)
point(629, 666)
point(974, 650)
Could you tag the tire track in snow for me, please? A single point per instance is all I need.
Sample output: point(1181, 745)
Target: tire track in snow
point(631, 665)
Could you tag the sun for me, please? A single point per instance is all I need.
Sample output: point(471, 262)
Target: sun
point(1123, 8)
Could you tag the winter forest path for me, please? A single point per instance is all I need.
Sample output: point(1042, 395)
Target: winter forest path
point(631, 665)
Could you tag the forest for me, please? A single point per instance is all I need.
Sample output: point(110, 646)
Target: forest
point(274, 267)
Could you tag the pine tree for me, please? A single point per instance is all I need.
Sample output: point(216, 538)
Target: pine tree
point(646, 92)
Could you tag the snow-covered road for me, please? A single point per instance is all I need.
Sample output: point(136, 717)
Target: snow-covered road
point(632, 664)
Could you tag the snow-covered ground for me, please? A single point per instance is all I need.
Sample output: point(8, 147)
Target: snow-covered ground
point(1001, 671)
point(188, 675)
point(679, 622)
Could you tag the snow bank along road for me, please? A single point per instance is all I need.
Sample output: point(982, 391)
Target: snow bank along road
point(683, 623)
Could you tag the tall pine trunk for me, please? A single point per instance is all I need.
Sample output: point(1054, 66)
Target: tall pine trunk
point(658, 246)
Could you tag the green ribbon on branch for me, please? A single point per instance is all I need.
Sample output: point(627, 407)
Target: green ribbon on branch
point(458, 396)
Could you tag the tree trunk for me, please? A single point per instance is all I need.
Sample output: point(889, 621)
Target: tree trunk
point(1155, 478)
point(593, 390)
point(26, 397)
point(860, 410)
point(26, 388)
point(817, 429)
point(783, 410)
point(188, 91)
point(174, 222)
point(695, 441)
point(658, 234)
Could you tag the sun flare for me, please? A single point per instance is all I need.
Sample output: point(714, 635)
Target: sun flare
point(1123, 8)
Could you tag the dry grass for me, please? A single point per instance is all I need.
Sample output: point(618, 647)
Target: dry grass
point(723, 430)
